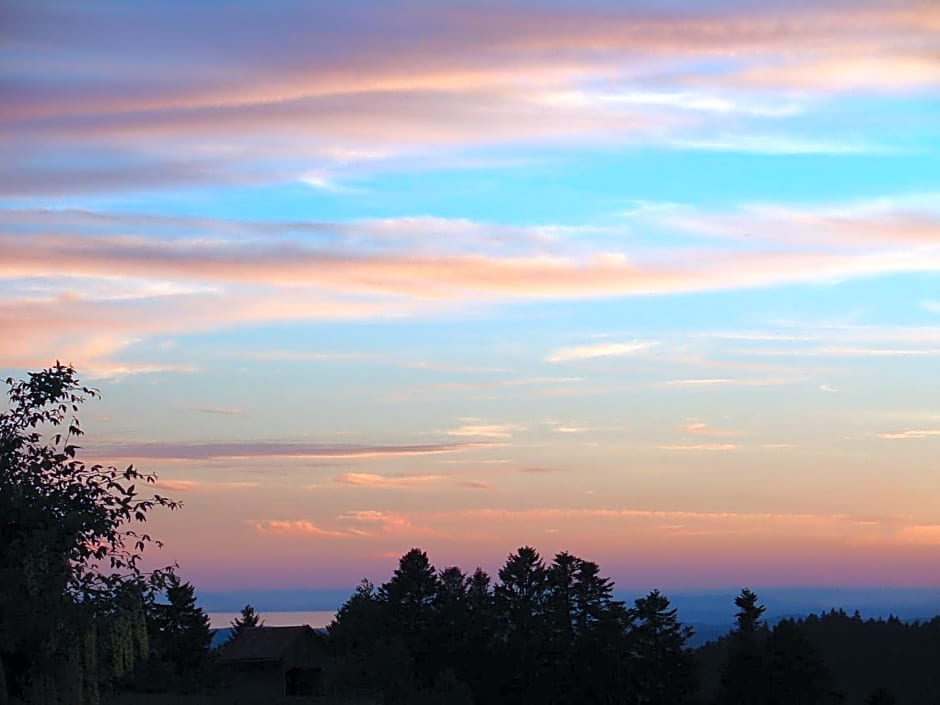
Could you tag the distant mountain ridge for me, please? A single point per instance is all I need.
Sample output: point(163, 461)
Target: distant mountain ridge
point(705, 607)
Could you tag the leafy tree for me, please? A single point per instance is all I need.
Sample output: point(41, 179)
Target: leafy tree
point(70, 548)
point(663, 665)
point(249, 619)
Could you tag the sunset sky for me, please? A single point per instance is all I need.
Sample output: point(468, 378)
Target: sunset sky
point(656, 283)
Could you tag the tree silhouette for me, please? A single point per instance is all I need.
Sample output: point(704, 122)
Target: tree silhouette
point(663, 666)
point(797, 674)
point(70, 549)
point(181, 628)
point(748, 617)
point(745, 678)
point(409, 598)
point(248, 619)
point(519, 599)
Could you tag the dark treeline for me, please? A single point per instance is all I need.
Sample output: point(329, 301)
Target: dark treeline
point(81, 621)
point(552, 633)
point(541, 633)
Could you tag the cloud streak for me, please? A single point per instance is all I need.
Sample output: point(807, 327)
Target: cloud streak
point(295, 90)
point(363, 479)
point(589, 352)
point(269, 449)
point(910, 435)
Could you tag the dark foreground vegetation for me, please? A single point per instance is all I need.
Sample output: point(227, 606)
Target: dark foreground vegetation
point(81, 623)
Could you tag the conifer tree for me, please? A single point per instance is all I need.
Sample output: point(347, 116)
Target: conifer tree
point(745, 677)
point(181, 628)
point(409, 600)
point(797, 674)
point(248, 619)
point(662, 662)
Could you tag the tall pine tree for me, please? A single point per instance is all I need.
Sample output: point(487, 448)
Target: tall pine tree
point(663, 665)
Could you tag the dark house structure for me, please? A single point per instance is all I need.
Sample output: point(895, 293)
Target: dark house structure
point(273, 661)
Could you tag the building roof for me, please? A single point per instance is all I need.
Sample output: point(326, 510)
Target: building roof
point(263, 643)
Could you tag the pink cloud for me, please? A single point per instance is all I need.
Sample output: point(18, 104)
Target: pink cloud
point(704, 429)
point(319, 96)
point(364, 479)
point(267, 449)
point(298, 527)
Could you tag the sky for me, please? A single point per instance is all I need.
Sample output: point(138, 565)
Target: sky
point(655, 283)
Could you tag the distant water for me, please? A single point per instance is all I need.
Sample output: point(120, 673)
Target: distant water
point(220, 620)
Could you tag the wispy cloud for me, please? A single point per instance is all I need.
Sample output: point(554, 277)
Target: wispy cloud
point(176, 485)
point(319, 99)
point(363, 479)
point(476, 485)
point(708, 382)
point(699, 382)
point(226, 274)
point(568, 429)
point(588, 352)
point(202, 487)
point(703, 429)
point(294, 527)
point(268, 449)
point(700, 446)
point(910, 435)
point(218, 410)
point(482, 430)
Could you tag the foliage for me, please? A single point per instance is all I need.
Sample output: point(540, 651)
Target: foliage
point(745, 677)
point(70, 548)
point(663, 664)
point(248, 619)
point(180, 628)
point(549, 633)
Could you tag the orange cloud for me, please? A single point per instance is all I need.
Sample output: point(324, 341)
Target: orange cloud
point(217, 281)
point(927, 534)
